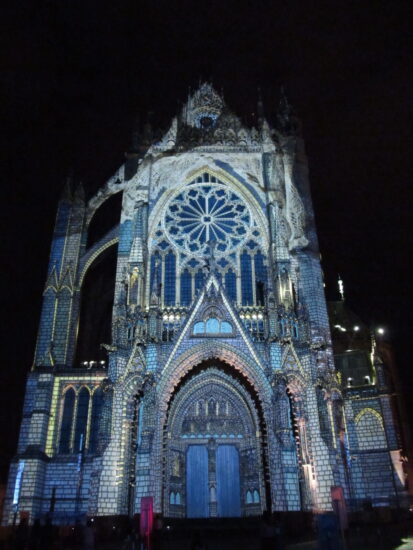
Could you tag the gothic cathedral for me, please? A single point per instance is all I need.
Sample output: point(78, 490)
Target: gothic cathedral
point(185, 354)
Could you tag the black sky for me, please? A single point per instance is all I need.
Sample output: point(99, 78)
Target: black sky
point(76, 73)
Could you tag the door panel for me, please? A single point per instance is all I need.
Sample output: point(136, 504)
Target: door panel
point(228, 482)
point(197, 482)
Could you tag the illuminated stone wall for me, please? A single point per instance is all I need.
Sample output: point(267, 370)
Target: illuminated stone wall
point(219, 311)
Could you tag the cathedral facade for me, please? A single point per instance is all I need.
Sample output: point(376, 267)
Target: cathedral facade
point(213, 389)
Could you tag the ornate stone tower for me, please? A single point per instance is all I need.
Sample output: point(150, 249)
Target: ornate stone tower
point(216, 392)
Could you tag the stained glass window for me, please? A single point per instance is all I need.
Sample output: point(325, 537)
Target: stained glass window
point(81, 419)
point(199, 328)
point(97, 404)
point(226, 327)
point(206, 223)
point(212, 325)
point(199, 280)
point(231, 285)
point(67, 417)
point(169, 293)
point(370, 432)
point(168, 330)
point(260, 278)
point(246, 280)
point(186, 288)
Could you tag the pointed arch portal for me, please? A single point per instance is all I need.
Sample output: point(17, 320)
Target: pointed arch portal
point(213, 447)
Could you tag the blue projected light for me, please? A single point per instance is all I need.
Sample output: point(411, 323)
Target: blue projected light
point(199, 280)
point(169, 292)
point(204, 213)
point(231, 284)
point(186, 288)
point(97, 407)
point(81, 419)
point(65, 432)
point(246, 280)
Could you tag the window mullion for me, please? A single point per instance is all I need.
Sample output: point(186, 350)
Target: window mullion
point(253, 282)
point(163, 280)
point(88, 422)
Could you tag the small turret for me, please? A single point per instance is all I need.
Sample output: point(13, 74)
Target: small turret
point(260, 109)
point(156, 286)
point(79, 194)
point(287, 122)
point(67, 192)
point(285, 289)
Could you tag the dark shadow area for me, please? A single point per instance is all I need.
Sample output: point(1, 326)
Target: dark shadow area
point(96, 308)
point(105, 217)
point(282, 530)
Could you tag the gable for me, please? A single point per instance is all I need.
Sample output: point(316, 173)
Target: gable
point(215, 315)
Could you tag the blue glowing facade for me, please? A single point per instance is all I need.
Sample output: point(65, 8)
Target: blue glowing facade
point(186, 354)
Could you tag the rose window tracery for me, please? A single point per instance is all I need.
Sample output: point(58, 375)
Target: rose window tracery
point(207, 226)
point(208, 213)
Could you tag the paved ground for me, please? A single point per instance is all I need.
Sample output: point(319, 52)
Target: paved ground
point(244, 536)
point(387, 538)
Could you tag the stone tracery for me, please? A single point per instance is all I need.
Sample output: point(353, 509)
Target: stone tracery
point(207, 226)
point(199, 215)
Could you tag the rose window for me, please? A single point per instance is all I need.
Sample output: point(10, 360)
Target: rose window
point(207, 213)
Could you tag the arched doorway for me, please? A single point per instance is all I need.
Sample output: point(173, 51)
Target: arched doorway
point(213, 463)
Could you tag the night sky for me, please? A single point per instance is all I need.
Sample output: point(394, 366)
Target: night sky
point(78, 73)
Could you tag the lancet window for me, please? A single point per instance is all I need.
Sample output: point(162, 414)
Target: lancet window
point(186, 288)
point(81, 419)
point(79, 424)
point(97, 406)
point(66, 423)
point(175, 498)
point(170, 279)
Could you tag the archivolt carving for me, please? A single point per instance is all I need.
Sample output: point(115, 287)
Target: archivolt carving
point(182, 364)
point(210, 398)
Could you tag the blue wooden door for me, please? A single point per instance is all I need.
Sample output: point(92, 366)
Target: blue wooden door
point(197, 482)
point(228, 482)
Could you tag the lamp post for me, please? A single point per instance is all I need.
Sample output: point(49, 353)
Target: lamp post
point(80, 476)
point(17, 489)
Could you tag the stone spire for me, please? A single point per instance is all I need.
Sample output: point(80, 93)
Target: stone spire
point(287, 122)
point(156, 286)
